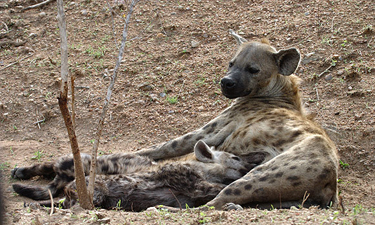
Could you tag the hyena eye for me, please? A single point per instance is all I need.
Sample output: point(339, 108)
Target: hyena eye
point(252, 70)
point(231, 64)
point(236, 158)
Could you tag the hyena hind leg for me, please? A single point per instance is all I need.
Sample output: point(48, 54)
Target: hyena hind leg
point(24, 173)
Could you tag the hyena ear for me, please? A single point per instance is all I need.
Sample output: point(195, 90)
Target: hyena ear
point(287, 60)
point(203, 153)
point(238, 38)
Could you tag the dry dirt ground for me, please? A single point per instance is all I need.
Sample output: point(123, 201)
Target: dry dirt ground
point(168, 84)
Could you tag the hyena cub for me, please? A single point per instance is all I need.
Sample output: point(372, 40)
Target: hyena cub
point(140, 183)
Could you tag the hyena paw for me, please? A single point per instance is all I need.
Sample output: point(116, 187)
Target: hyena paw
point(232, 206)
point(17, 173)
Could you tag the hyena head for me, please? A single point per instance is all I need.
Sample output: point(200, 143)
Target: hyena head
point(254, 65)
point(219, 166)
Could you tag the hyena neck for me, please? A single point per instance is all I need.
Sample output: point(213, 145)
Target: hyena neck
point(282, 89)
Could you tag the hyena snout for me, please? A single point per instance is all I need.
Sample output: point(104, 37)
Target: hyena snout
point(233, 88)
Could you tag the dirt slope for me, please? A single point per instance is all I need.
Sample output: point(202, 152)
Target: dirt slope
point(169, 84)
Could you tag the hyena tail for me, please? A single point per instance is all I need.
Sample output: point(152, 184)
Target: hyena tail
point(41, 192)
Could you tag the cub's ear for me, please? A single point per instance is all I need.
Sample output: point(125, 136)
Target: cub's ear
point(287, 60)
point(238, 38)
point(203, 153)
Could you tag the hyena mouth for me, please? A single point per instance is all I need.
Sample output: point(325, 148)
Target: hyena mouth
point(232, 95)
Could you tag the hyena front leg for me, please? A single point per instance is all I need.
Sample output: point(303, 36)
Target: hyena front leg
point(213, 133)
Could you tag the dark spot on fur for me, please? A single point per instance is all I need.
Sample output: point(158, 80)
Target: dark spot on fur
point(67, 165)
point(271, 181)
point(316, 161)
point(105, 168)
point(293, 178)
point(280, 143)
point(237, 192)
point(279, 174)
point(248, 186)
point(295, 134)
point(312, 155)
point(206, 126)
point(263, 178)
point(174, 144)
point(286, 164)
point(295, 184)
point(199, 138)
point(187, 137)
point(324, 174)
point(275, 168)
point(228, 191)
point(308, 169)
point(293, 167)
point(256, 141)
point(258, 190)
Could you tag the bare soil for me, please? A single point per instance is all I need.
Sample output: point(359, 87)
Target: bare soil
point(168, 84)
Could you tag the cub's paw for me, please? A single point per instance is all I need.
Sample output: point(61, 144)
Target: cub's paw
point(231, 206)
point(17, 173)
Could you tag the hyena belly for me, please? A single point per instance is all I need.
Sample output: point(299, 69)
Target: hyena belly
point(63, 170)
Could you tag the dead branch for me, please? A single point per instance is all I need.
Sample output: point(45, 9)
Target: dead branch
point(107, 99)
point(52, 204)
point(37, 5)
point(72, 78)
point(16, 62)
point(83, 196)
point(305, 197)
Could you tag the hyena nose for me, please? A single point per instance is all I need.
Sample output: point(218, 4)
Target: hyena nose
point(227, 83)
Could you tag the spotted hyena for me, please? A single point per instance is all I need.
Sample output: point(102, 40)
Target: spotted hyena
point(300, 161)
point(140, 183)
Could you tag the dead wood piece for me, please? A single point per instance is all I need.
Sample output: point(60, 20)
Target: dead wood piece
point(36, 5)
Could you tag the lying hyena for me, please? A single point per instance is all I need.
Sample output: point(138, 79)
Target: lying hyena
point(266, 118)
point(141, 183)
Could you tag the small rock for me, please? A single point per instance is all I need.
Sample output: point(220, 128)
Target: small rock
point(154, 97)
point(42, 14)
point(162, 95)
point(152, 209)
point(293, 208)
point(32, 35)
point(328, 77)
point(145, 87)
point(340, 72)
point(72, 3)
point(194, 43)
point(84, 12)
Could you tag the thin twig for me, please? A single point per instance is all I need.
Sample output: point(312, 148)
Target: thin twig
point(52, 204)
point(106, 101)
point(325, 71)
point(37, 5)
point(176, 198)
point(305, 197)
point(317, 93)
point(16, 62)
point(72, 78)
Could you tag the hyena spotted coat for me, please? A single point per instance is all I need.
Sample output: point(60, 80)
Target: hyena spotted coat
point(266, 118)
point(140, 183)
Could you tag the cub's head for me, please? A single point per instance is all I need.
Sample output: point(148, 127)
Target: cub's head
point(221, 163)
point(254, 65)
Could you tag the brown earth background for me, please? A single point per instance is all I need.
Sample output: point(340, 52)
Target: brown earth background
point(168, 84)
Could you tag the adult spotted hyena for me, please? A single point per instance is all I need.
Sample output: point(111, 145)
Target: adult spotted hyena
point(266, 118)
point(192, 180)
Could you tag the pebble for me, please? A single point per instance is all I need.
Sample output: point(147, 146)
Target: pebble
point(32, 35)
point(84, 12)
point(162, 94)
point(194, 43)
point(328, 77)
point(42, 14)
